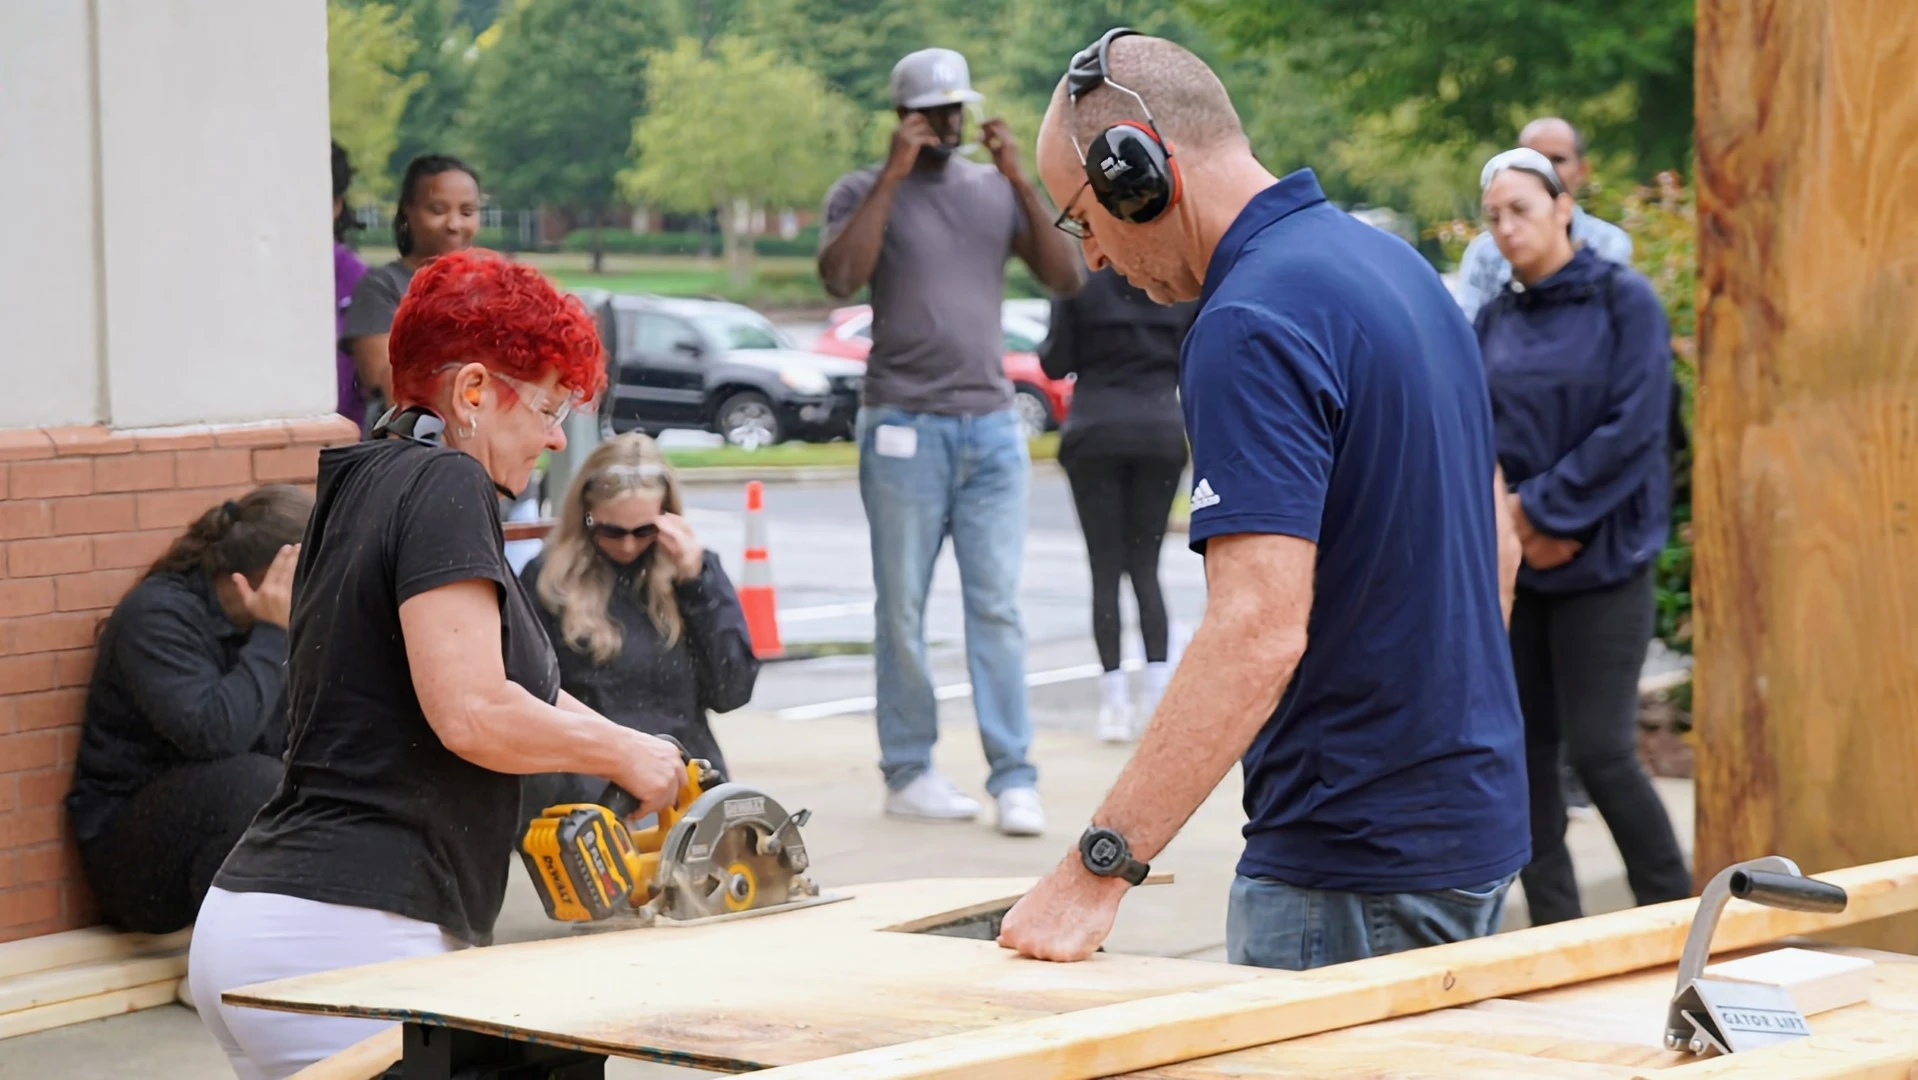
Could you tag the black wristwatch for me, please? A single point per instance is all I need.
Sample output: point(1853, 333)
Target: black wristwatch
point(1105, 853)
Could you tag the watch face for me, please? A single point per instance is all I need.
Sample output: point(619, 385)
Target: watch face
point(1104, 852)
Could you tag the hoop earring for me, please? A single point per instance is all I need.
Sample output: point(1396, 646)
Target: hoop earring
point(471, 429)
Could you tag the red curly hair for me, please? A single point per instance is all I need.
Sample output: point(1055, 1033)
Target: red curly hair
point(474, 305)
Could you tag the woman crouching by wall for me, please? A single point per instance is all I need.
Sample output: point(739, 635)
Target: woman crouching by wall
point(646, 625)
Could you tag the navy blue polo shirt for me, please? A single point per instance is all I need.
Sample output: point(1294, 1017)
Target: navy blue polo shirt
point(1333, 392)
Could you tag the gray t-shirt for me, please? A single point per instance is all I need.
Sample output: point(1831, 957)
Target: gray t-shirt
point(370, 313)
point(937, 346)
point(375, 299)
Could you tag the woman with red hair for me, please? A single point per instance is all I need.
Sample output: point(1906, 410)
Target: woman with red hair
point(420, 681)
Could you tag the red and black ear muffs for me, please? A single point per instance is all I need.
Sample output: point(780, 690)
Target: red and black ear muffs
point(1128, 166)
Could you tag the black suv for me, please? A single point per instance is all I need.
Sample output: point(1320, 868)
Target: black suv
point(714, 366)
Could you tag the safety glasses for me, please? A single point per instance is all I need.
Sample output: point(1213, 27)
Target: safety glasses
point(552, 407)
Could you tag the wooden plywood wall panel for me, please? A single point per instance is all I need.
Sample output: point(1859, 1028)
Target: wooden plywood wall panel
point(1806, 484)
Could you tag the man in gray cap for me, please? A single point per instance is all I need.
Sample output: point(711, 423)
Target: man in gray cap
point(941, 451)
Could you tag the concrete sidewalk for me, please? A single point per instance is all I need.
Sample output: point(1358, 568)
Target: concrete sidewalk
point(828, 766)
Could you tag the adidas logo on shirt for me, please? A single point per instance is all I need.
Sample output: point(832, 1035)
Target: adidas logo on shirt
point(1203, 496)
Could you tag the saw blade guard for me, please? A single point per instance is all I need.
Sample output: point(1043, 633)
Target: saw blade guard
point(735, 849)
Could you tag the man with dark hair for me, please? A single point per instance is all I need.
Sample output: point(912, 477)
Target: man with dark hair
point(1483, 272)
point(941, 450)
point(1353, 654)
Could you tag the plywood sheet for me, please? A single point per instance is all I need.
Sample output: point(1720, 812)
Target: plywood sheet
point(783, 988)
point(1608, 1029)
point(1806, 483)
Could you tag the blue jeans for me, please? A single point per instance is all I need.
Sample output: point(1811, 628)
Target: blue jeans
point(1274, 925)
point(964, 477)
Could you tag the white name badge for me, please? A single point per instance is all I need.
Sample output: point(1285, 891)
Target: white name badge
point(899, 442)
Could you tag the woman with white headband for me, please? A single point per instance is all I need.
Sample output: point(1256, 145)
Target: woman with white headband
point(1578, 358)
point(646, 625)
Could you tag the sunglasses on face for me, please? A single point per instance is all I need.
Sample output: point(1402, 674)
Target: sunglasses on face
point(614, 532)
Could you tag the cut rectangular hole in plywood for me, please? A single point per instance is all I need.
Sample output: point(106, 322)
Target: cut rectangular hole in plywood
point(981, 922)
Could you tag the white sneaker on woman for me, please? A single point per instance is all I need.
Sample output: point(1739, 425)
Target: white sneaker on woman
point(1020, 813)
point(1115, 708)
point(931, 797)
point(1157, 677)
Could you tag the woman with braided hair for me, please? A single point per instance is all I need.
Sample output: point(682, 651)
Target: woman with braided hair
point(186, 716)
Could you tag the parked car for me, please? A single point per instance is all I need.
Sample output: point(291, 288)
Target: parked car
point(1042, 402)
point(708, 365)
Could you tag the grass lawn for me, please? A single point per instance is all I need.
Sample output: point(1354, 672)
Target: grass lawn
point(779, 281)
point(795, 454)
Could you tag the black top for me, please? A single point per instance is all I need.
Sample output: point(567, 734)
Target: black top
point(1125, 351)
point(654, 689)
point(375, 811)
point(174, 682)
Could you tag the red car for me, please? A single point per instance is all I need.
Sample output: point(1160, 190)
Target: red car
point(1042, 402)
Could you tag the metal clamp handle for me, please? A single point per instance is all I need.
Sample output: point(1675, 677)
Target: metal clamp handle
point(1773, 881)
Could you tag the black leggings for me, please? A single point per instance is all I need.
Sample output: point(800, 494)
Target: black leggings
point(152, 864)
point(1123, 506)
point(1578, 658)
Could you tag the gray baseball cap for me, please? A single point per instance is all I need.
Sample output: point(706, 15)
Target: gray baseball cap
point(930, 78)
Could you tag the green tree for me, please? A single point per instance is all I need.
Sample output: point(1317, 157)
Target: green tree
point(367, 50)
point(785, 137)
point(476, 15)
point(553, 102)
point(430, 123)
point(1471, 68)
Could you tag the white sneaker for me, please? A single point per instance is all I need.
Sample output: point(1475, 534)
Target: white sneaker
point(1115, 709)
point(932, 797)
point(1157, 677)
point(1020, 813)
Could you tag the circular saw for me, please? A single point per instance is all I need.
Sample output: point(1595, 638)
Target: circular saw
point(722, 850)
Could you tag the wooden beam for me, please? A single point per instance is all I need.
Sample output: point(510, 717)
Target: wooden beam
point(92, 945)
point(1116, 1039)
point(94, 1007)
point(363, 1060)
point(1806, 484)
point(85, 980)
point(1892, 1055)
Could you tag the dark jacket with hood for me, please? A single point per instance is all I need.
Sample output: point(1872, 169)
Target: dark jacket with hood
point(1580, 371)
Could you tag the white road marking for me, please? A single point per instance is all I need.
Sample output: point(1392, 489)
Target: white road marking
point(949, 692)
point(824, 611)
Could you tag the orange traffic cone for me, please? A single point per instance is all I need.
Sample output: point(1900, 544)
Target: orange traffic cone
point(756, 580)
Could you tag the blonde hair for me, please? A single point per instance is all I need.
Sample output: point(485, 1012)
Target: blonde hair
point(577, 582)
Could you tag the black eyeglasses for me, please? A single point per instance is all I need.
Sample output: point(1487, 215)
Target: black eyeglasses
point(1070, 225)
point(614, 532)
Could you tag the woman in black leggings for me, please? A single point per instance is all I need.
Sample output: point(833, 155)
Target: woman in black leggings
point(186, 716)
point(1123, 448)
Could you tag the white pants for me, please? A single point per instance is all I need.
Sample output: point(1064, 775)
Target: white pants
point(244, 938)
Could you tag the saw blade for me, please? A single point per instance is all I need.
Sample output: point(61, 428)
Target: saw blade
point(736, 850)
point(743, 878)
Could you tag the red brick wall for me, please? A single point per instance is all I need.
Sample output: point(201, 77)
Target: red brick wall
point(83, 511)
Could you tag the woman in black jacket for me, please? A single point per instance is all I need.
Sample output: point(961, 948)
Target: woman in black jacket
point(647, 627)
point(1123, 449)
point(1578, 359)
point(186, 715)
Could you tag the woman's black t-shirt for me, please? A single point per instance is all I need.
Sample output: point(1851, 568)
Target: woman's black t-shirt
point(375, 811)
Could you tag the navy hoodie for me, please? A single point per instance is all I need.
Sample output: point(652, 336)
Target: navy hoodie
point(1581, 393)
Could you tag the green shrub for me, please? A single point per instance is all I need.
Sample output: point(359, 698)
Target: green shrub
point(1663, 223)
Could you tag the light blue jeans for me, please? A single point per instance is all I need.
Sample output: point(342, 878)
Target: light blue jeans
point(964, 477)
point(1274, 925)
